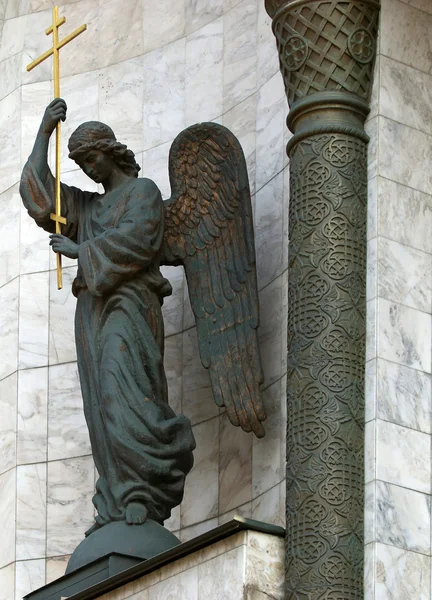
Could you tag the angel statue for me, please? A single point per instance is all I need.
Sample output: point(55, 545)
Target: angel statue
point(121, 237)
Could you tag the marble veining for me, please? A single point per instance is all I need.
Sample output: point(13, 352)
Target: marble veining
point(401, 574)
point(402, 518)
point(30, 575)
point(8, 424)
point(7, 518)
point(31, 511)
point(33, 320)
point(32, 415)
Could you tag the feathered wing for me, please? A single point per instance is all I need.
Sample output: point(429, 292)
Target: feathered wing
point(209, 229)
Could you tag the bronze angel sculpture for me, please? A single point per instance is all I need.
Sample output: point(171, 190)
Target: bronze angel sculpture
point(141, 449)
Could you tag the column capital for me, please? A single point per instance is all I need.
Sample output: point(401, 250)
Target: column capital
point(325, 45)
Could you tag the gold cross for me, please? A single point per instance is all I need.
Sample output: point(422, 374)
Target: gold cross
point(54, 51)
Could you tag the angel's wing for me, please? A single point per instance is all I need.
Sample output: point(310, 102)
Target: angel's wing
point(208, 229)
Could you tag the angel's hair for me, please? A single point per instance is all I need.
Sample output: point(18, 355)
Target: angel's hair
point(94, 135)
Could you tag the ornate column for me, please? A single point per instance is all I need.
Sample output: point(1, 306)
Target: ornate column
point(327, 50)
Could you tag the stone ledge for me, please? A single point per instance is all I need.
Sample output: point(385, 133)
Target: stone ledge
point(245, 556)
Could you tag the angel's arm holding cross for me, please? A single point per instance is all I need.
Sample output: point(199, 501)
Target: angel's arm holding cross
point(38, 186)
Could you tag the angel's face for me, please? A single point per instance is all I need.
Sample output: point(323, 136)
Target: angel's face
point(97, 165)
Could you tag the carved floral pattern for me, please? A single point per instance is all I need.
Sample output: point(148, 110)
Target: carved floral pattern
point(326, 346)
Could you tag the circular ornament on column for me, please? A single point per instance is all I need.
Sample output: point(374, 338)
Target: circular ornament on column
point(295, 52)
point(361, 46)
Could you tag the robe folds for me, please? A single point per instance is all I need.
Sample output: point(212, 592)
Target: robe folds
point(141, 449)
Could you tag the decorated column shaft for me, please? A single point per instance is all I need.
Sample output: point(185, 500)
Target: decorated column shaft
point(327, 51)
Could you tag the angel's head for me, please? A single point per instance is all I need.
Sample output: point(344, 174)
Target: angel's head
point(93, 146)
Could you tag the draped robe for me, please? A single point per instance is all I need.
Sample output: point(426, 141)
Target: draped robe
point(141, 449)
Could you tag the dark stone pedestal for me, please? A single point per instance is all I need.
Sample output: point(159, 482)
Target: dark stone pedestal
point(140, 541)
point(84, 578)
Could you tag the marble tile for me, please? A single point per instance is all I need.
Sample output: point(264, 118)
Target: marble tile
point(121, 92)
point(241, 120)
point(372, 129)
point(269, 230)
point(402, 518)
point(403, 396)
point(420, 4)
point(372, 209)
point(172, 309)
point(404, 95)
point(9, 327)
point(31, 511)
point(10, 147)
point(240, 53)
point(33, 320)
point(62, 314)
point(7, 582)
point(235, 466)
point(7, 518)
point(405, 215)
point(8, 424)
point(198, 13)
point(29, 576)
point(401, 574)
point(267, 507)
point(173, 363)
point(198, 403)
point(403, 456)
point(127, 40)
point(173, 523)
point(202, 487)
point(370, 512)
point(34, 245)
point(35, 43)
point(410, 151)
point(155, 167)
point(56, 567)
point(163, 22)
point(243, 511)
point(270, 153)
point(164, 93)
point(265, 568)
point(204, 73)
point(372, 269)
point(12, 41)
point(267, 55)
point(223, 576)
point(10, 74)
point(183, 585)
point(400, 24)
point(370, 390)
point(32, 415)
point(67, 429)
point(370, 451)
point(69, 510)
point(273, 321)
point(35, 97)
point(82, 93)
point(9, 234)
point(267, 468)
point(404, 335)
point(369, 571)
point(404, 275)
point(189, 533)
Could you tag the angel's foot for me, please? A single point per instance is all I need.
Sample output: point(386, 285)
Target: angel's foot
point(136, 513)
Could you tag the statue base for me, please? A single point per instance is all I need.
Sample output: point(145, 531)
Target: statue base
point(138, 541)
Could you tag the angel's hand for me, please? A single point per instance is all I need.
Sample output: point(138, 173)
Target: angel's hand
point(64, 245)
point(55, 112)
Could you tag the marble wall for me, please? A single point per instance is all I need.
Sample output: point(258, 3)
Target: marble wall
point(398, 399)
point(148, 69)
